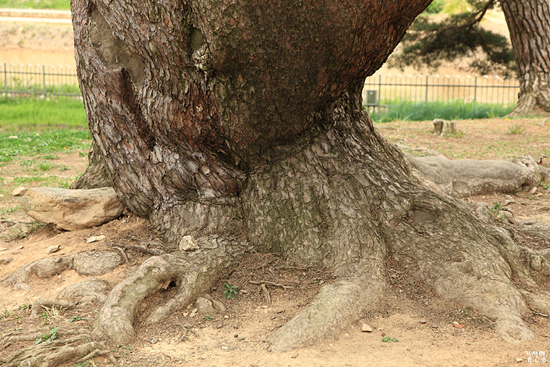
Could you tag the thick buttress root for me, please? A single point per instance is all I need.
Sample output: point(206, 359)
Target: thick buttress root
point(194, 272)
point(465, 261)
point(334, 308)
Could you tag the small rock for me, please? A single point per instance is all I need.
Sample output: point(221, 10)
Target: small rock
point(519, 360)
point(19, 248)
point(459, 325)
point(94, 239)
point(2, 249)
point(19, 191)
point(13, 137)
point(423, 321)
point(53, 248)
point(6, 260)
point(188, 243)
point(154, 341)
point(240, 338)
point(193, 313)
point(205, 306)
point(366, 328)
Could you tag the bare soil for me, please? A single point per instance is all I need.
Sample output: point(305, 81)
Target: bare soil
point(430, 332)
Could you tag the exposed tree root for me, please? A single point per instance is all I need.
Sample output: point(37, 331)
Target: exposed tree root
point(62, 333)
point(193, 272)
point(54, 353)
point(333, 309)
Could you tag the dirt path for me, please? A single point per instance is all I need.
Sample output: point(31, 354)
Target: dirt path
point(425, 327)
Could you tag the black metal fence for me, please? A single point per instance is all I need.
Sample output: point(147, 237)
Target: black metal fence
point(38, 80)
point(382, 90)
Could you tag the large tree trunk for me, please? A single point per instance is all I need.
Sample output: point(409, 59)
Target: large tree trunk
point(529, 26)
point(238, 125)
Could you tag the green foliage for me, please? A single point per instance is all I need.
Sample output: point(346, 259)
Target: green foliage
point(76, 318)
point(29, 143)
point(516, 129)
point(18, 112)
point(495, 208)
point(453, 110)
point(388, 339)
point(5, 315)
point(36, 4)
point(229, 291)
point(431, 43)
point(435, 7)
point(50, 336)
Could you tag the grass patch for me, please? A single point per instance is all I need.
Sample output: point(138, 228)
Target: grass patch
point(452, 110)
point(36, 4)
point(17, 113)
point(516, 129)
point(31, 144)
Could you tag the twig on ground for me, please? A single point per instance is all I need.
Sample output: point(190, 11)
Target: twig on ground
point(142, 248)
point(266, 294)
point(44, 302)
point(267, 282)
point(187, 329)
point(124, 255)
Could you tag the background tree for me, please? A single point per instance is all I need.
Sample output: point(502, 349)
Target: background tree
point(460, 35)
point(239, 125)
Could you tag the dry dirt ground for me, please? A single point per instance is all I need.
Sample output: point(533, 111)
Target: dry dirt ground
point(424, 326)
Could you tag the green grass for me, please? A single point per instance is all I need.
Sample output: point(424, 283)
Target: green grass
point(26, 112)
point(452, 110)
point(29, 143)
point(36, 4)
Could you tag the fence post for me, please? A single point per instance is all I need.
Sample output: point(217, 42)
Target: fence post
point(379, 90)
point(44, 79)
point(427, 75)
point(475, 88)
point(5, 80)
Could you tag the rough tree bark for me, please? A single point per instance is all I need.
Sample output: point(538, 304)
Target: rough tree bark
point(240, 125)
point(529, 26)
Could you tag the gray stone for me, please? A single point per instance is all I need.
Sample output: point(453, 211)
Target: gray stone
point(86, 291)
point(188, 243)
point(219, 306)
point(72, 209)
point(96, 263)
point(53, 248)
point(43, 268)
point(19, 191)
point(366, 328)
point(205, 306)
point(95, 239)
